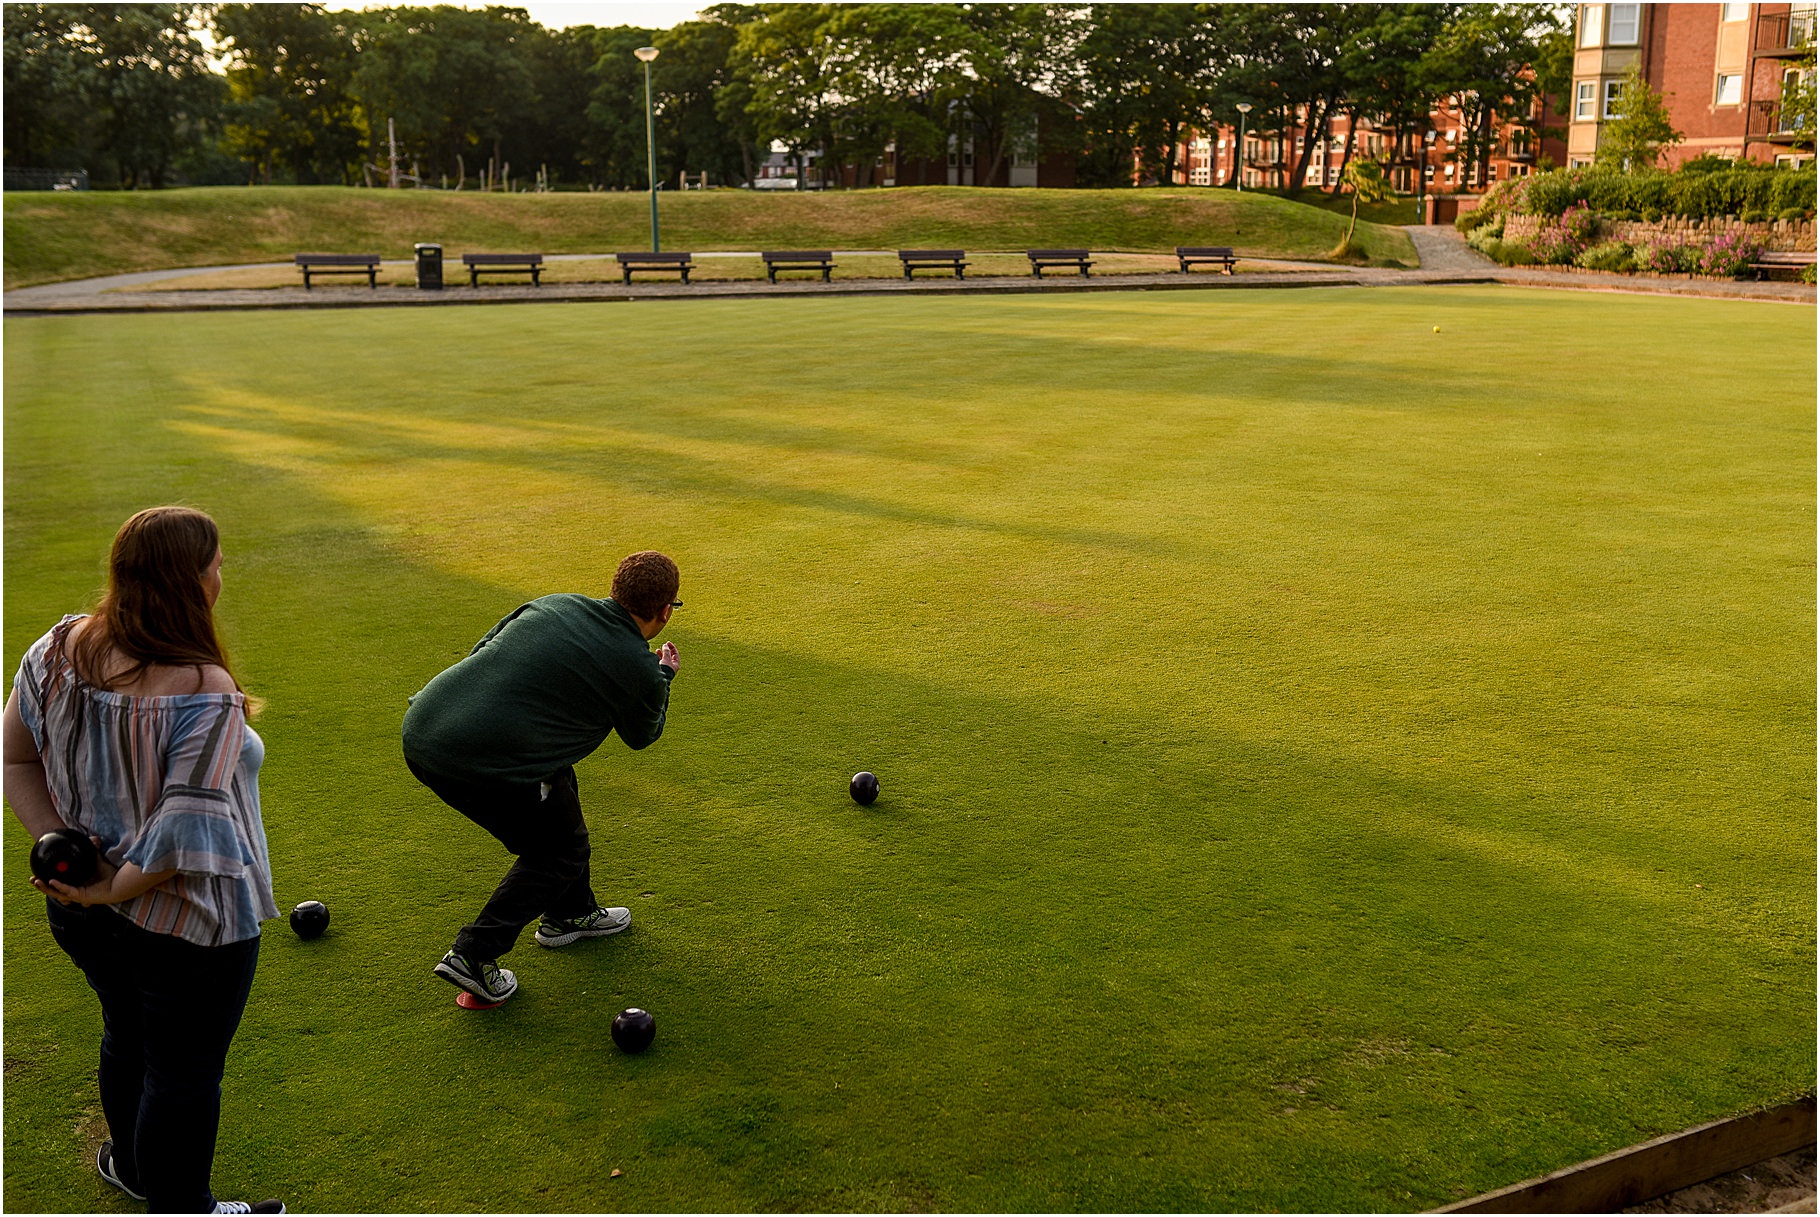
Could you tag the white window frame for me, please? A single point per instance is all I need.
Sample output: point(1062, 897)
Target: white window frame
point(1592, 24)
point(1612, 88)
point(1734, 12)
point(1719, 88)
point(1585, 97)
point(1626, 22)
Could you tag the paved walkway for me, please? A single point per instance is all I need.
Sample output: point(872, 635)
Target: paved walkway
point(1444, 254)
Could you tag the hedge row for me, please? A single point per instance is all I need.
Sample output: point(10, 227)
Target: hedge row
point(1745, 190)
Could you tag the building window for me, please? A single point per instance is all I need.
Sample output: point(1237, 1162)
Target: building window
point(1592, 22)
point(1611, 98)
point(1578, 162)
point(1623, 25)
point(1733, 12)
point(1583, 100)
point(1730, 90)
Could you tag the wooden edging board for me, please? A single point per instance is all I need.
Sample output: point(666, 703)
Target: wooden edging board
point(1655, 1168)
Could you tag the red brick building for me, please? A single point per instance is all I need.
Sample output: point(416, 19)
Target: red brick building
point(1431, 160)
point(1719, 68)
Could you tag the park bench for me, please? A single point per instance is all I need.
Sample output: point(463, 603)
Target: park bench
point(799, 259)
point(1206, 255)
point(1043, 258)
point(1782, 259)
point(338, 264)
point(654, 261)
point(503, 264)
point(934, 259)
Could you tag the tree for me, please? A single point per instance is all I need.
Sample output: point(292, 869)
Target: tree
point(695, 61)
point(50, 121)
point(454, 80)
point(615, 151)
point(1637, 128)
point(127, 82)
point(1485, 59)
point(1008, 77)
point(786, 65)
point(1366, 180)
point(289, 69)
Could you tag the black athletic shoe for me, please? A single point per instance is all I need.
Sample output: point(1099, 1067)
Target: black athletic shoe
point(104, 1165)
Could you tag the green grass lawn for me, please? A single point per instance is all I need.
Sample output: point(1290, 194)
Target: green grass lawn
point(1328, 765)
point(52, 237)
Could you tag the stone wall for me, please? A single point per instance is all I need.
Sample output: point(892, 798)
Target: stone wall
point(1774, 234)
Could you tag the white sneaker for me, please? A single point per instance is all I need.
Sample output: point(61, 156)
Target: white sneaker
point(241, 1206)
point(598, 924)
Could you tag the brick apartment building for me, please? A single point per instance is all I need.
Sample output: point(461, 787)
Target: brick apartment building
point(1720, 69)
point(1426, 162)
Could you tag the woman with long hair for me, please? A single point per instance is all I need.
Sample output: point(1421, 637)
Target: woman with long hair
point(128, 725)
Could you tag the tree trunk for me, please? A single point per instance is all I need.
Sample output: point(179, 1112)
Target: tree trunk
point(1352, 136)
point(1317, 121)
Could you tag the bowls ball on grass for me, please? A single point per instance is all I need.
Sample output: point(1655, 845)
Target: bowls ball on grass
point(66, 855)
point(863, 788)
point(310, 919)
point(634, 1029)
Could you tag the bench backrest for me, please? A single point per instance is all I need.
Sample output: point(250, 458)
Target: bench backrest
point(1056, 253)
point(502, 259)
point(931, 255)
point(1203, 251)
point(1794, 257)
point(797, 255)
point(336, 259)
point(664, 257)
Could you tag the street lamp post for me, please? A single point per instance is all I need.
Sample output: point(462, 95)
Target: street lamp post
point(1243, 108)
point(645, 55)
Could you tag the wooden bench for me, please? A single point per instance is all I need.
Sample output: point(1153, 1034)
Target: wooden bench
point(799, 259)
point(1782, 259)
point(338, 264)
point(1206, 255)
point(934, 259)
point(654, 261)
point(503, 264)
point(1043, 258)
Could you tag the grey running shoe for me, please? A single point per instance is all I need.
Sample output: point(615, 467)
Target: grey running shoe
point(241, 1206)
point(598, 924)
point(104, 1164)
point(483, 978)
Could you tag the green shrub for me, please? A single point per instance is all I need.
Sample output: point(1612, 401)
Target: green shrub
point(1791, 213)
point(1515, 253)
point(1730, 255)
point(1701, 194)
point(1607, 255)
point(1502, 199)
point(1807, 273)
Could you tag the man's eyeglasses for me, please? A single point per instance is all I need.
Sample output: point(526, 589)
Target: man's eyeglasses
point(675, 604)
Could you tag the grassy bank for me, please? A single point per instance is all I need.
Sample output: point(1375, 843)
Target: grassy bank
point(1319, 775)
point(54, 237)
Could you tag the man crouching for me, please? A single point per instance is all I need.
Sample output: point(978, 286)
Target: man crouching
point(497, 737)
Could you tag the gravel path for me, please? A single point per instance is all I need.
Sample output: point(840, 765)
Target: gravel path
point(1444, 255)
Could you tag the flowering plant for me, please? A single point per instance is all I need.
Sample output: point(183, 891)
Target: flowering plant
point(1730, 255)
point(1564, 239)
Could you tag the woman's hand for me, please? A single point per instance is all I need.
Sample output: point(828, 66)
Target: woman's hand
point(112, 886)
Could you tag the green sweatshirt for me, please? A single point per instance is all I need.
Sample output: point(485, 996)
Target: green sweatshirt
point(541, 691)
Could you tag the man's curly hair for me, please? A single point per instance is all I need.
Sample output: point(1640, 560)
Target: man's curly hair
point(645, 582)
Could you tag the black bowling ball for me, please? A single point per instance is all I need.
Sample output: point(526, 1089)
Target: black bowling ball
point(66, 855)
point(634, 1029)
point(310, 919)
point(863, 788)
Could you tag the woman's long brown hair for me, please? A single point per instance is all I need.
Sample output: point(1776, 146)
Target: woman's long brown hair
point(155, 610)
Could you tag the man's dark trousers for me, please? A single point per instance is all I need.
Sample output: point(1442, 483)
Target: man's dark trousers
point(550, 840)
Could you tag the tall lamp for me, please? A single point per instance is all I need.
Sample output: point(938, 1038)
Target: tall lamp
point(1243, 108)
point(645, 55)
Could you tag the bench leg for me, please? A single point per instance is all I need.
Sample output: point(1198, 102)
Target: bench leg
point(685, 276)
point(827, 274)
point(306, 279)
point(536, 277)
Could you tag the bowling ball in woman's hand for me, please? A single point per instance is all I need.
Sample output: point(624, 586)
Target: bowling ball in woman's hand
point(68, 856)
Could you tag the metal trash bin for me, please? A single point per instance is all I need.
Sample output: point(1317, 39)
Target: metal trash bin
point(429, 267)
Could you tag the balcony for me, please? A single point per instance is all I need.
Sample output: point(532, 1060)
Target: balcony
point(1765, 123)
point(1784, 35)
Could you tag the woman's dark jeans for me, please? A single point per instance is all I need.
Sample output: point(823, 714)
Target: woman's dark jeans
point(169, 1010)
